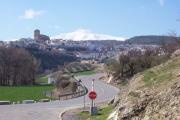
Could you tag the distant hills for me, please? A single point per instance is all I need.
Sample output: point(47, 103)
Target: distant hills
point(82, 36)
point(152, 40)
point(137, 40)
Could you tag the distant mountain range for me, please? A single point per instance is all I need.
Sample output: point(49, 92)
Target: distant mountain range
point(152, 40)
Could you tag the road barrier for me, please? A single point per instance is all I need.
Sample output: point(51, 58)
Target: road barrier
point(80, 92)
point(44, 100)
point(28, 101)
point(5, 102)
point(74, 95)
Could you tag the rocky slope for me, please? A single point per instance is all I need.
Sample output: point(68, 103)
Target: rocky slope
point(151, 95)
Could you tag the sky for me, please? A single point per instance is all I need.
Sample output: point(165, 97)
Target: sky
point(113, 18)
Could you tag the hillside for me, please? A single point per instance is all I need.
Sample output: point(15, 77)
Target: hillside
point(51, 59)
point(151, 95)
point(152, 40)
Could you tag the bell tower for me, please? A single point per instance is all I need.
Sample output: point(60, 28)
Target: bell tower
point(36, 34)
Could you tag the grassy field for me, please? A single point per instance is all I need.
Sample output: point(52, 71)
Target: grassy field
point(14, 94)
point(42, 79)
point(102, 114)
point(85, 73)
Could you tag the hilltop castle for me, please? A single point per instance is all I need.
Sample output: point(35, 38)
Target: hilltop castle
point(40, 37)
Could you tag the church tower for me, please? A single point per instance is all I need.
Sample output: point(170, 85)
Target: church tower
point(36, 34)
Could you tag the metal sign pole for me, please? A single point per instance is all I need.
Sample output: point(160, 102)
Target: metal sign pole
point(84, 103)
point(93, 90)
point(92, 101)
point(93, 85)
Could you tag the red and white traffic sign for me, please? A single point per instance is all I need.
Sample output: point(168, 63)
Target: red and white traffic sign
point(92, 95)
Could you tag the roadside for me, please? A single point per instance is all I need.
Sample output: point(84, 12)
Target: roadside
point(83, 113)
point(104, 109)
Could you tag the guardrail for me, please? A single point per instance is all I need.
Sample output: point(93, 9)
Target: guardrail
point(74, 95)
point(83, 91)
point(5, 102)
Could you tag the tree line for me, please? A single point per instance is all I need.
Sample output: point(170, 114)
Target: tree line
point(136, 61)
point(17, 67)
point(133, 62)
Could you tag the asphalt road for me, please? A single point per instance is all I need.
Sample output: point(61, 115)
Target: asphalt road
point(52, 110)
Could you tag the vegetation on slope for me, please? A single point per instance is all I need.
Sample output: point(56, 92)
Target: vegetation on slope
point(163, 72)
point(152, 94)
point(77, 67)
point(51, 59)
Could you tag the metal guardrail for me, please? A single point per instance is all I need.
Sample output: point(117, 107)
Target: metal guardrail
point(74, 95)
point(83, 92)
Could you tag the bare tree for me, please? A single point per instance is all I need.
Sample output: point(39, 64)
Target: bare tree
point(17, 67)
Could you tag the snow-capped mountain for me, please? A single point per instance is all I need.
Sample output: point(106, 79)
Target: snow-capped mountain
point(83, 34)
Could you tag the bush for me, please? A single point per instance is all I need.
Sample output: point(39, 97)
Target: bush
point(64, 83)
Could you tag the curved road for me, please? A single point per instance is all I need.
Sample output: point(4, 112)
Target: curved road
point(52, 110)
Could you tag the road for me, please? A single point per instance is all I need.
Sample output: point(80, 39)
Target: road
point(52, 110)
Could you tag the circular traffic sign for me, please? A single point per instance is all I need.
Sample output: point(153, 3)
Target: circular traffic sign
point(92, 95)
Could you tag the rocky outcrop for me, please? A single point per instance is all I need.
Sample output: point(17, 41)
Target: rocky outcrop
point(162, 103)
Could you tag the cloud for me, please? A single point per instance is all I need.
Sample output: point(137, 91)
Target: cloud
point(31, 14)
point(161, 2)
point(84, 34)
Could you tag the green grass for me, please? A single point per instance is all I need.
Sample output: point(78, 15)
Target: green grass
point(19, 93)
point(85, 73)
point(102, 114)
point(161, 73)
point(42, 79)
point(152, 78)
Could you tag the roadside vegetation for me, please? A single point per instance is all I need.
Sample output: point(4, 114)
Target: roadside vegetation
point(103, 114)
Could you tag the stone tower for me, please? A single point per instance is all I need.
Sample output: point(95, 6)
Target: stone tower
point(36, 34)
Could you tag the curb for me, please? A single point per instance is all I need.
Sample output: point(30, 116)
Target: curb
point(63, 112)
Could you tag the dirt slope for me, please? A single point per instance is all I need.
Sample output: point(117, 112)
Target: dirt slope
point(151, 95)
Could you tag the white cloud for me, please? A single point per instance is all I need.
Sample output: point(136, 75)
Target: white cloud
point(161, 2)
point(31, 14)
point(83, 34)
